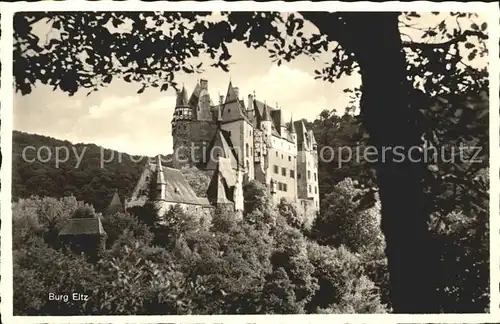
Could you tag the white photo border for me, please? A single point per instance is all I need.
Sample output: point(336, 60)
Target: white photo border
point(7, 92)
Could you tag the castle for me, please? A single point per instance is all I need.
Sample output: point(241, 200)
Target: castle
point(236, 141)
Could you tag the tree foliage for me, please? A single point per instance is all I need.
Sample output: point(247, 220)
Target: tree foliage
point(232, 267)
point(355, 226)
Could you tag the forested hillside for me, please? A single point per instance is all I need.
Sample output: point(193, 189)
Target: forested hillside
point(87, 180)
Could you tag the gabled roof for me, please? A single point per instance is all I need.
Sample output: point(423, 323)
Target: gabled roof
point(193, 100)
point(300, 128)
point(277, 117)
point(177, 190)
point(221, 146)
point(115, 205)
point(231, 94)
point(83, 226)
point(266, 115)
point(233, 108)
point(218, 189)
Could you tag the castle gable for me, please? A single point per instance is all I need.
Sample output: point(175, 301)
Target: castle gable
point(177, 189)
point(233, 108)
point(221, 147)
point(218, 189)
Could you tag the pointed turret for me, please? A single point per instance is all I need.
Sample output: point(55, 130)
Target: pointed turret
point(232, 93)
point(291, 127)
point(182, 98)
point(161, 184)
point(182, 109)
point(115, 205)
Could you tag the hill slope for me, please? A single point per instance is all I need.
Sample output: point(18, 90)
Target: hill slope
point(90, 172)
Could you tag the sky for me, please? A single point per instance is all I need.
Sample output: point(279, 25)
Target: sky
point(118, 118)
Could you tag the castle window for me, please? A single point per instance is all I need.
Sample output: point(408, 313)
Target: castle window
point(247, 151)
point(289, 158)
point(309, 175)
point(283, 172)
point(298, 175)
point(309, 188)
point(315, 190)
point(276, 169)
point(276, 154)
point(292, 173)
point(284, 187)
point(280, 188)
point(229, 111)
point(314, 176)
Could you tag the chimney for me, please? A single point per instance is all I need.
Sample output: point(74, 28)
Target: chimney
point(250, 102)
point(221, 99)
point(204, 84)
point(237, 92)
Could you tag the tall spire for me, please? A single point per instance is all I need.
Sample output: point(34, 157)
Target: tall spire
point(160, 177)
point(291, 128)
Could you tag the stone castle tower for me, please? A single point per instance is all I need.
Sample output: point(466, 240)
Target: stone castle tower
point(251, 138)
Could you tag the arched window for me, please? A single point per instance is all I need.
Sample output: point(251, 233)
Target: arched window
point(247, 149)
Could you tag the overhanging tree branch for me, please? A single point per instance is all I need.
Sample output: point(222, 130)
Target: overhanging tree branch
point(461, 38)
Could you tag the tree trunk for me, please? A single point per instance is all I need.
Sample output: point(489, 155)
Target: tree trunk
point(385, 112)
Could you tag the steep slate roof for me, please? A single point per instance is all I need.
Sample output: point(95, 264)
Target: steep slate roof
point(231, 93)
point(277, 118)
point(221, 143)
point(301, 130)
point(83, 226)
point(233, 108)
point(115, 205)
point(182, 99)
point(218, 189)
point(291, 126)
point(193, 100)
point(178, 189)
